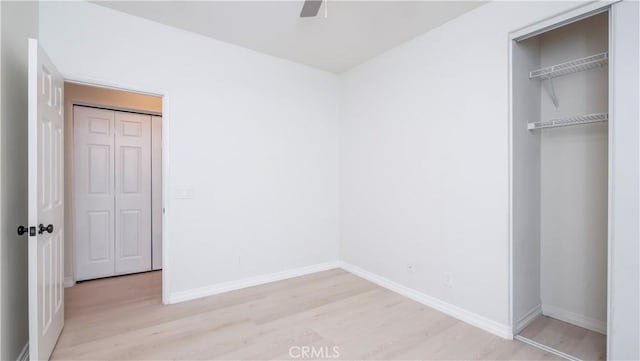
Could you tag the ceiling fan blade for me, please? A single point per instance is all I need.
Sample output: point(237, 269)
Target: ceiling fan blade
point(310, 8)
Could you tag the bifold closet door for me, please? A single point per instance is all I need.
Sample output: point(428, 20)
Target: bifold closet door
point(133, 192)
point(93, 132)
point(112, 182)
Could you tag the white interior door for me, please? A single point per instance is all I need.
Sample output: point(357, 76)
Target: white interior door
point(133, 192)
point(94, 192)
point(46, 210)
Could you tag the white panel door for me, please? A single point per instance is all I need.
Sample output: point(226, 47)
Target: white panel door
point(156, 192)
point(94, 195)
point(133, 192)
point(45, 203)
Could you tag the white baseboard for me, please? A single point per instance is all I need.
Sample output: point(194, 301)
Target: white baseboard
point(575, 319)
point(200, 292)
point(24, 354)
point(69, 282)
point(528, 318)
point(467, 316)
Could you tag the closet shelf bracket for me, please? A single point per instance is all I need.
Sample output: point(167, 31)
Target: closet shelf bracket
point(551, 90)
point(574, 120)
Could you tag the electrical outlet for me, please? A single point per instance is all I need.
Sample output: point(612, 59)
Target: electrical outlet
point(410, 268)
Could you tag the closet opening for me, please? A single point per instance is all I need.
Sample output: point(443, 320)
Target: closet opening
point(560, 187)
point(113, 197)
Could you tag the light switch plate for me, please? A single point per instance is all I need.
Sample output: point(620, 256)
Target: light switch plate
point(184, 192)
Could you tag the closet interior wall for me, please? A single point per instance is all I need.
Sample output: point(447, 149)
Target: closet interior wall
point(560, 180)
point(574, 173)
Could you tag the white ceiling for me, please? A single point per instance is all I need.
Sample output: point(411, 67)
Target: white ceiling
point(353, 31)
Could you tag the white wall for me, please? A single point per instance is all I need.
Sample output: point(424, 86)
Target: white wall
point(19, 22)
point(525, 187)
point(574, 177)
point(252, 136)
point(425, 162)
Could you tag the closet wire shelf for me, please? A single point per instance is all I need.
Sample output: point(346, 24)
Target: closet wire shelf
point(569, 67)
point(574, 120)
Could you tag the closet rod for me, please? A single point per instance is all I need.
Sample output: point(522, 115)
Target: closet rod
point(574, 120)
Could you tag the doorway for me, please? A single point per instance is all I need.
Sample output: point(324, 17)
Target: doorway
point(560, 182)
point(113, 182)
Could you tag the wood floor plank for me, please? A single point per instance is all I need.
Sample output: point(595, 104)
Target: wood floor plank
point(122, 318)
point(562, 336)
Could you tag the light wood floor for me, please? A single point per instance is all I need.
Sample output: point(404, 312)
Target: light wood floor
point(123, 318)
point(573, 340)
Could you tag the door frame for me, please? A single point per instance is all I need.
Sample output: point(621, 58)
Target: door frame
point(166, 167)
point(578, 13)
point(1, 203)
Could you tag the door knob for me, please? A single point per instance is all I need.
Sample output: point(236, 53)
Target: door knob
point(42, 228)
point(22, 230)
